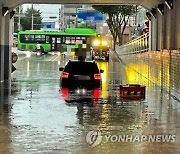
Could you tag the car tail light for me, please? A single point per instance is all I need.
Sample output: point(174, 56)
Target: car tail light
point(96, 96)
point(65, 93)
point(96, 93)
point(97, 76)
point(65, 75)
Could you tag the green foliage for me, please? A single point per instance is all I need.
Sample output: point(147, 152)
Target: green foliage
point(26, 21)
point(118, 16)
point(127, 10)
point(116, 9)
point(106, 9)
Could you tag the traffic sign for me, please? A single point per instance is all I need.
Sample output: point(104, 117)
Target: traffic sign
point(91, 15)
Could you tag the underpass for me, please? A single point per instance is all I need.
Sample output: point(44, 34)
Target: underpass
point(40, 121)
point(34, 118)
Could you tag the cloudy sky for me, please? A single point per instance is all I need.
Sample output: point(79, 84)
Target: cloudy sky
point(46, 9)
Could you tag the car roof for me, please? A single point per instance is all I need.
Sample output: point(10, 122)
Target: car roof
point(82, 66)
point(84, 61)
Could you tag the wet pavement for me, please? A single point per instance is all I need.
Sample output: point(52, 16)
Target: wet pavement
point(35, 119)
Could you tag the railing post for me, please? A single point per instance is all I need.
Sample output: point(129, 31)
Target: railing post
point(139, 44)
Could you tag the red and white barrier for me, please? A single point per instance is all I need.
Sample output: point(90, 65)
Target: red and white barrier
point(132, 92)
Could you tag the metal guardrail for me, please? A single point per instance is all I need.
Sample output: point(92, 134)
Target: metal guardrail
point(139, 44)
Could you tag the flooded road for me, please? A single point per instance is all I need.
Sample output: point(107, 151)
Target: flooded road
point(39, 121)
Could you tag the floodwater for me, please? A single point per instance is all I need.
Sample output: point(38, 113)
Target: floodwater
point(35, 119)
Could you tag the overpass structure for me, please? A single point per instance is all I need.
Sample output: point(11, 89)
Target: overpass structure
point(164, 27)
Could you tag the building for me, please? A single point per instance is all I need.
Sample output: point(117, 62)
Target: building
point(50, 17)
point(68, 16)
point(64, 16)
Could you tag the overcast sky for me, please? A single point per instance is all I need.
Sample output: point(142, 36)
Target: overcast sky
point(46, 9)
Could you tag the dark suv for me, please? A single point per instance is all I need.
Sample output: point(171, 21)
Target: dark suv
point(80, 74)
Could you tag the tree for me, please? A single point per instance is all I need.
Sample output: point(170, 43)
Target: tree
point(26, 21)
point(118, 17)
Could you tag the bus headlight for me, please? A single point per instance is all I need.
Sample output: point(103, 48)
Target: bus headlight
point(104, 43)
point(96, 42)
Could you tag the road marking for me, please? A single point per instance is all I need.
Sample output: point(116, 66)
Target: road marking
point(53, 58)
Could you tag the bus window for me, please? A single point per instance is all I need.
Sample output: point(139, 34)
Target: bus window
point(68, 41)
point(58, 40)
point(29, 38)
point(73, 40)
point(39, 38)
point(79, 41)
point(26, 38)
point(22, 38)
point(83, 38)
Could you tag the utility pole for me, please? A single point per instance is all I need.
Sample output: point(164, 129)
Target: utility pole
point(59, 18)
point(32, 27)
point(19, 19)
point(69, 18)
point(76, 17)
point(19, 15)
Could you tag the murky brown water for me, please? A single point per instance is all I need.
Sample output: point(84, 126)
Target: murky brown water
point(40, 121)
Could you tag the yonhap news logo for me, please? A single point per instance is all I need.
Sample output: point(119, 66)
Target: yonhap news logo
point(95, 138)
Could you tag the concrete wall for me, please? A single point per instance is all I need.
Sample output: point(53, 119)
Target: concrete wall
point(160, 65)
point(2, 29)
point(166, 29)
point(177, 14)
point(160, 68)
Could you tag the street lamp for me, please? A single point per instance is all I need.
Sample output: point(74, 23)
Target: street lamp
point(32, 23)
point(160, 9)
point(169, 4)
point(5, 11)
point(153, 12)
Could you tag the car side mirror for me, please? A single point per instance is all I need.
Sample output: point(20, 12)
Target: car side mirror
point(61, 68)
point(101, 71)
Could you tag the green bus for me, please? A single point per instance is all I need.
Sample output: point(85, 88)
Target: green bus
point(55, 40)
point(27, 40)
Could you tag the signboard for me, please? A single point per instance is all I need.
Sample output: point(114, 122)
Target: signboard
point(91, 15)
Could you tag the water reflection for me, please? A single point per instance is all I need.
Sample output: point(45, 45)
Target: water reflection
point(5, 108)
point(132, 71)
point(81, 95)
point(42, 122)
point(1, 98)
point(104, 66)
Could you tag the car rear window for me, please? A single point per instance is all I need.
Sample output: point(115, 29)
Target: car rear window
point(85, 68)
